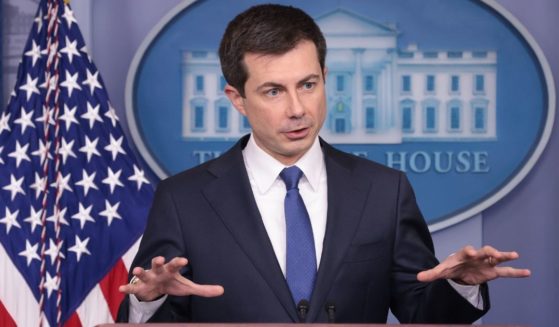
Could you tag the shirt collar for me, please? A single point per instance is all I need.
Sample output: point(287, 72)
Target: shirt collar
point(265, 169)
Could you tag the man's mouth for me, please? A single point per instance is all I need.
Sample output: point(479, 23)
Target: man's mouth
point(297, 133)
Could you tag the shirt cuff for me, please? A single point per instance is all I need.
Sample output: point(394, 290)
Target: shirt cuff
point(141, 311)
point(469, 292)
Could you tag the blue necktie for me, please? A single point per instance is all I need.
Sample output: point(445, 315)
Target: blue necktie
point(301, 255)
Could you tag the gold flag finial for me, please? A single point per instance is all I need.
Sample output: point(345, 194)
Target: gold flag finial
point(67, 2)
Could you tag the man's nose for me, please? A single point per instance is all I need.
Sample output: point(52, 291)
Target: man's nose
point(296, 108)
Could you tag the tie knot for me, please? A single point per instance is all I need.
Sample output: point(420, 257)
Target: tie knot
point(291, 176)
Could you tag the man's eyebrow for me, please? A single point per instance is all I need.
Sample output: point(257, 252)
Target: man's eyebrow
point(269, 85)
point(278, 85)
point(308, 78)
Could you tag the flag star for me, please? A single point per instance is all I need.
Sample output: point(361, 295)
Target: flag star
point(87, 182)
point(15, 186)
point(84, 215)
point(39, 21)
point(66, 151)
point(43, 151)
point(92, 81)
point(112, 179)
point(71, 83)
point(34, 218)
point(51, 283)
point(4, 122)
point(39, 185)
point(71, 49)
point(62, 183)
point(59, 216)
point(92, 114)
point(80, 248)
point(47, 116)
point(111, 114)
point(138, 177)
point(69, 116)
point(69, 16)
point(35, 53)
point(1, 150)
point(30, 252)
point(30, 86)
point(110, 212)
point(84, 50)
point(20, 153)
point(10, 220)
point(54, 251)
point(25, 120)
point(115, 146)
point(90, 148)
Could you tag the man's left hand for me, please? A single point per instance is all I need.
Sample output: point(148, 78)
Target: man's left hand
point(473, 267)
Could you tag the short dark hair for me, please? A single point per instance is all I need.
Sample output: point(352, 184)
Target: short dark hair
point(265, 29)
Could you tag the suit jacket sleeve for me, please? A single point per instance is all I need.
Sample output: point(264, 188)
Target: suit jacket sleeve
point(163, 237)
point(413, 301)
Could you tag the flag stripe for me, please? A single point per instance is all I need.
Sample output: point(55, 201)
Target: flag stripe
point(109, 286)
point(23, 307)
point(73, 321)
point(128, 257)
point(94, 310)
point(5, 318)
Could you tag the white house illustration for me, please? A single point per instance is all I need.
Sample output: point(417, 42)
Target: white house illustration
point(377, 92)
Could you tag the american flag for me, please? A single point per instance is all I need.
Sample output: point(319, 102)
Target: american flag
point(73, 200)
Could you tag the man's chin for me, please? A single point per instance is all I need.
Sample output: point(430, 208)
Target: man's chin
point(296, 149)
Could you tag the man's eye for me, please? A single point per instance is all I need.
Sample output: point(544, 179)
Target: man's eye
point(272, 92)
point(309, 85)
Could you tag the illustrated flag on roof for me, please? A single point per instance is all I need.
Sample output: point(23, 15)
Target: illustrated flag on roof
point(73, 200)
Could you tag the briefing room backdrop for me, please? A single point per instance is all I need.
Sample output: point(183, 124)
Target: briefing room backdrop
point(524, 220)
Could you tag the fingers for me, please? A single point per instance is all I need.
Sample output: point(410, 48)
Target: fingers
point(474, 266)
point(438, 272)
point(498, 256)
point(158, 267)
point(206, 290)
point(441, 270)
point(176, 264)
point(427, 276)
point(487, 253)
point(126, 288)
point(165, 278)
point(511, 272)
point(157, 264)
point(139, 273)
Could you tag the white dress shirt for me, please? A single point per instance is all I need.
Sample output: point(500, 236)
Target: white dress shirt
point(269, 192)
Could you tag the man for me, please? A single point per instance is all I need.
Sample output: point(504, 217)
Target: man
point(283, 227)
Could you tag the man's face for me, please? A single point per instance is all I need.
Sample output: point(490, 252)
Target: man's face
point(284, 101)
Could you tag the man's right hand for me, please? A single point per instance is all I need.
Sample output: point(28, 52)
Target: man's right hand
point(164, 278)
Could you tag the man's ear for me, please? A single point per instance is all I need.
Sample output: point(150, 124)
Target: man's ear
point(324, 73)
point(236, 98)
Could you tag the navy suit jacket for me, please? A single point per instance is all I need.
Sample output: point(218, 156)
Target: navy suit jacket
point(376, 242)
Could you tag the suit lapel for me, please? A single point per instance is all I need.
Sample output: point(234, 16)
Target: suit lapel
point(231, 196)
point(346, 197)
